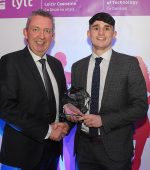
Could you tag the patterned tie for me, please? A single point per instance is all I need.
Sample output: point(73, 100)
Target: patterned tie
point(48, 87)
point(95, 94)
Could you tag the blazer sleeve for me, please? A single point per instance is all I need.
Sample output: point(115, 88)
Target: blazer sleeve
point(10, 111)
point(133, 103)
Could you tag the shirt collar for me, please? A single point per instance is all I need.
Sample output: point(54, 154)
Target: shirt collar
point(106, 56)
point(36, 57)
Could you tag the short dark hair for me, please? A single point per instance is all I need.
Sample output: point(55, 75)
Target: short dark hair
point(102, 16)
point(43, 13)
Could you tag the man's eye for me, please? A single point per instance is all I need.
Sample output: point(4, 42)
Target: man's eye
point(107, 28)
point(35, 29)
point(95, 28)
point(48, 31)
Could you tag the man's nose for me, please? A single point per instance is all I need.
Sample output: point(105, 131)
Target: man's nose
point(42, 34)
point(101, 31)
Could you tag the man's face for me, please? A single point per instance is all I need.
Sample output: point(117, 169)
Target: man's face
point(39, 34)
point(101, 35)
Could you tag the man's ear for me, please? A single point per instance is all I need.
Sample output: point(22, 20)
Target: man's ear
point(115, 34)
point(88, 34)
point(25, 33)
point(53, 35)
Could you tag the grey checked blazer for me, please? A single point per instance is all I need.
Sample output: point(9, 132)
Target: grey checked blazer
point(124, 101)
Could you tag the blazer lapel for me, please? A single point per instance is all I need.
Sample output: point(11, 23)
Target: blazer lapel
point(112, 69)
point(85, 71)
point(34, 70)
point(55, 71)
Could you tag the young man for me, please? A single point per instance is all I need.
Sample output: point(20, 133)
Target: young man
point(32, 85)
point(118, 98)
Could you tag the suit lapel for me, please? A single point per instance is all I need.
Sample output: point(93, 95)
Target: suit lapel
point(55, 71)
point(33, 69)
point(85, 71)
point(112, 69)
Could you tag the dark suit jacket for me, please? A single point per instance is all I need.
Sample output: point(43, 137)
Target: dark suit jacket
point(25, 108)
point(124, 101)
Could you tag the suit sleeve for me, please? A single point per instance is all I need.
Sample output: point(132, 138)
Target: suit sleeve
point(133, 106)
point(11, 112)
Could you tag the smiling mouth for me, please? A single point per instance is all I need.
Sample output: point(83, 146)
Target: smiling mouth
point(40, 42)
point(100, 38)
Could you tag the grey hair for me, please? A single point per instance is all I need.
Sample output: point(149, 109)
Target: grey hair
point(42, 13)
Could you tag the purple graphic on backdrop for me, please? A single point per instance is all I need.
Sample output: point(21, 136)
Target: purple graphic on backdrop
point(68, 8)
point(74, 8)
point(63, 59)
point(18, 8)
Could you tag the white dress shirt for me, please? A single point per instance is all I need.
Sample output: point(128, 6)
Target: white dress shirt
point(103, 73)
point(54, 84)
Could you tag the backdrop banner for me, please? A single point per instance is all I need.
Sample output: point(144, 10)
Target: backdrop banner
point(67, 8)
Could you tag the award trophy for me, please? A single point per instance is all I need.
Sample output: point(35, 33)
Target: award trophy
point(79, 98)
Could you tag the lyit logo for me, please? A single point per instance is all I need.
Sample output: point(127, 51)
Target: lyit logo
point(2, 4)
point(21, 3)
